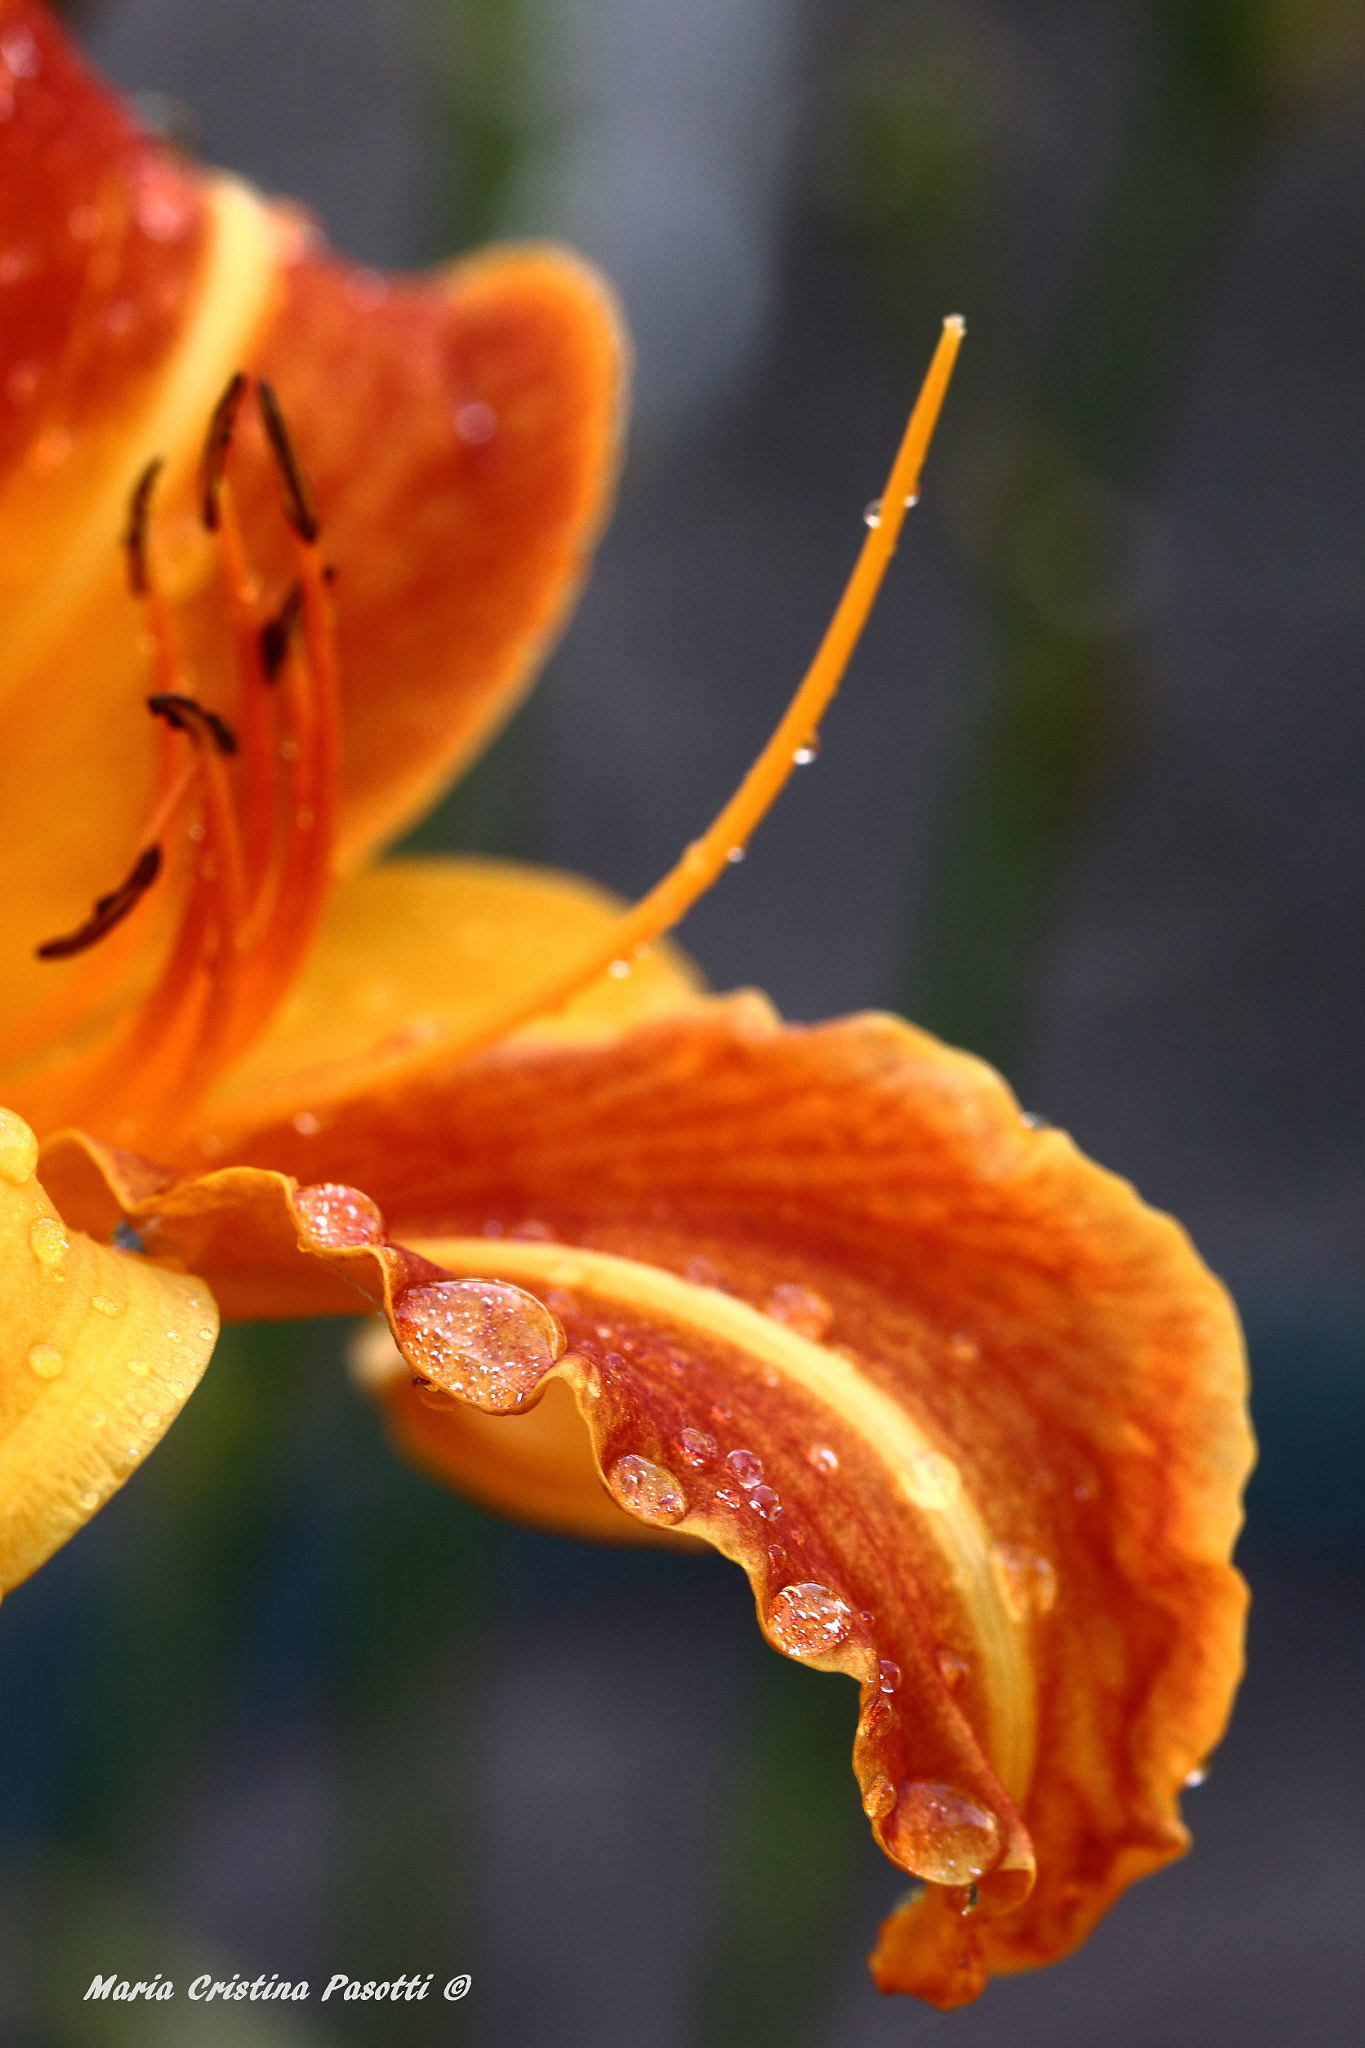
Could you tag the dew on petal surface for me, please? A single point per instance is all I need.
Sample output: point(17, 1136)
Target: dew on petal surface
point(483, 1340)
point(337, 1215)
point(1027, 1581)
point(801, 1309)
point(808, 1618)
point(940, 1834)
point(645, 1489)
point(49, 1242)
point(699, 1449)
point(748, 1469)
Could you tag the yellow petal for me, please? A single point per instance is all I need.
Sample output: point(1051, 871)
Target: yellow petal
point(99, 1350)
point(415, 951)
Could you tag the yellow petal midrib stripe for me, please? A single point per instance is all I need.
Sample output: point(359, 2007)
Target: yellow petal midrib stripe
point(890, 1435)
point(240, 268)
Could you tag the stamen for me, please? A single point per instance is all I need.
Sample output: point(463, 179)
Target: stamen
point(276, 632)
point(216, 444)
point(187, 714)
point(299, 509)
point(706, 858)
point(135, 535)
point(109, 910)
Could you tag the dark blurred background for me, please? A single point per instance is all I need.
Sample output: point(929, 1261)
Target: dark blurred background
point(1090, 804)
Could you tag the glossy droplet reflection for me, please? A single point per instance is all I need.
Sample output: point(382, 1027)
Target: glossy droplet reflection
point(482, 1340)
point(699, 1449)
point(49, 1242)
point(1027, 1581)
point(18, 1149)
point(336, 1215)
point(646, 1490)
point(931, 1481)
point(747, 1469)
point(808, 1618)
point(879, 1798)
point(939, 1834)
point(801, 1309)
point(45, 1360)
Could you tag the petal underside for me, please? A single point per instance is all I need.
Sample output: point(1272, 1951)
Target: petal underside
point(998, 1406)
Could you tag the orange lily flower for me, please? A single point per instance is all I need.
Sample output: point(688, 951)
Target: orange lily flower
point(970, 1417)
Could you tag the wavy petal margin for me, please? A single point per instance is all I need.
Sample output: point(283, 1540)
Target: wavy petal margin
point(971, 1417)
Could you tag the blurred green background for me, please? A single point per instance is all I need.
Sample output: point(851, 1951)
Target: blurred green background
point(1090, 805)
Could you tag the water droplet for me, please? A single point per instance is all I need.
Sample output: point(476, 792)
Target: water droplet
point(808, 751)
point(765, 1502)
point(698, 1448)
point(138, 1367)
point(647, 1490)
point(619, 969)
point(730, 1497)
point(808, 1618)
point(941, 1835)
point(872, 514)
point(334, 1214)
point(481, 1339)
point(952, 1669)
point(964, 1347)
point(1033, 1122)
point(306, 1124)
point(879, 1798)
point(801, 1309)
point(173, 1336)
point(49, 1241)
point(931, 1481)
point(747, 1469)
point(876, 1717)
point(89, 1500)
point(46, 1360)
point(823, 1459)
point(888, 1675)
point(476, 422)
point(1196, 1778)
point(20, 51)
point(150, 1419)
point(18, 1149)
point(103, 1306)
point(1027, 1582)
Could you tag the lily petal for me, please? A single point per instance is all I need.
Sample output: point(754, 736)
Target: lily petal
point(461, 434)
point(99, 1350)
point(415, 951)
point(998, 1404)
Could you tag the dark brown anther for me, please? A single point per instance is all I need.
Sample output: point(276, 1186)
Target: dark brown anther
point(135, 535)
point(217, 441)
point(276, 633)
point(188, 715)
point(109, 910)
point(299, 509)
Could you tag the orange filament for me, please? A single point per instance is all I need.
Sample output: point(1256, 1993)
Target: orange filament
point(728, 835)
point(260, 804)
